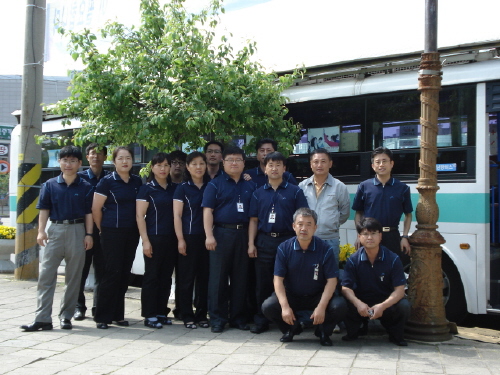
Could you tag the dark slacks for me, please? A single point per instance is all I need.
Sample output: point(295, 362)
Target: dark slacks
point(92, 257)
point(158, 271)
point(192, 274)
point(228, 264)
point(264, 271)
point(334, 313)
point(393, 319)
point(392, 240)
point(118, 249)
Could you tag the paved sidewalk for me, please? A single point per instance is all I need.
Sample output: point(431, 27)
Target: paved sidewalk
point(175, 350)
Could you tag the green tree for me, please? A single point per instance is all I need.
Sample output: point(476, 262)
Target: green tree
point(167, 82)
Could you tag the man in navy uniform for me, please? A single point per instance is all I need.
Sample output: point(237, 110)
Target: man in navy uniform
point(271, 218)
point(374, 285)
point(305, 279)
point(213, 151)
point(258, 175)
point(226, 202)
point(96, 157)
point(66, 200)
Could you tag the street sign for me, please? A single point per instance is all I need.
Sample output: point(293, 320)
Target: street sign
point(4, 167)
point(4, 150)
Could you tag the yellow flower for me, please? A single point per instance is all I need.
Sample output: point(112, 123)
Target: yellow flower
point(7, 232)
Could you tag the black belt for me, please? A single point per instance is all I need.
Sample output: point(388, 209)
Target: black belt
point(232, 226)
point(389, 229)
point(282, 234)
point(74, 221)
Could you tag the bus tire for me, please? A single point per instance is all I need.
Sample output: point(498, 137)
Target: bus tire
point(453, 292)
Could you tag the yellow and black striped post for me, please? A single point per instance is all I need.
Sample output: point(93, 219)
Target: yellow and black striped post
point(27, 249)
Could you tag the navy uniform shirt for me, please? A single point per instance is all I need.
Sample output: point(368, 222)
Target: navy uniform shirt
point(384, 203)
point(283, 202)
point(222, 194)
point(305, 271)
point(66, 202)
point(192, 212)
point(260, 178)
point(90, 177)
point(373, 284)
point(119, 208)
point(160, 212)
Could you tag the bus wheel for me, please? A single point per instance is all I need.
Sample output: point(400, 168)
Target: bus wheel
point(453, 291)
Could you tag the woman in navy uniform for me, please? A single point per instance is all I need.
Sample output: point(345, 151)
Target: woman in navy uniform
point(193, 262)
point(113, 211)
point(156, 225)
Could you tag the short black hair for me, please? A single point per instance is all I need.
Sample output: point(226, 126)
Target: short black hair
point(274, 156)
point(320, 151)
point(158, 158)
point(382, 150)
point(179, 155)
point(205, 148)
point(304, 211)
point(119, 148)
point(94, 145)
point(193, 155)
point(233, 151)
point(370, 224)
point(70, 151)
point(263, 141)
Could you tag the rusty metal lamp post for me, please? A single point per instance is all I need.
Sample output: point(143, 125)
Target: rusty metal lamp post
point(427, 320)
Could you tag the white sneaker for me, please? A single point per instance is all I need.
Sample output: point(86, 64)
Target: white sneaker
point(336, 329)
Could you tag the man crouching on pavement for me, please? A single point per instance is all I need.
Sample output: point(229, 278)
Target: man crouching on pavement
point(305, 278)
point(373, 285)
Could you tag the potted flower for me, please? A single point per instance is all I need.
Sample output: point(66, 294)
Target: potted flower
point(345, 252)
point(7, 247)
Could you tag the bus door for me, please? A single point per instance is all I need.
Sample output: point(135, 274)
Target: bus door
point(494, 211)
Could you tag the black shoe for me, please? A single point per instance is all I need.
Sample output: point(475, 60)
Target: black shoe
point(349, 337)
point(401, 342)
point(152, 324)
point(259, 328)
point(79, 315)
point(177, 314)
point(217, 329)
point(288, 336)
point(102, 325)
point(66, 324)
point(363, 330)
point(36, 326)
point(240, 326)
point(122, 323)
point(164, 320)
point(324, 339)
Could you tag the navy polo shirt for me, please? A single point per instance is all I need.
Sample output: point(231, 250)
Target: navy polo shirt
point(283, 201)
point(66, 202)
point(260, 178)
point(192, 212)
point(372, 284)
point(160, 212)
point(90, 177)
point(299, 267)
point(384, 203)
point(119, 208)
point(222, 194)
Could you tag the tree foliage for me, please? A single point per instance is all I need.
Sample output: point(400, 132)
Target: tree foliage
point(167, 82)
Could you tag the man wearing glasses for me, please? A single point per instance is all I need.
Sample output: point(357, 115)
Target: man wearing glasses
point(213, 151)
point(178, 166)
point(374, 285)
point(226, 203)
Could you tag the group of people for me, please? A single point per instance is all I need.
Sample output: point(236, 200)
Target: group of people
point(273, 244)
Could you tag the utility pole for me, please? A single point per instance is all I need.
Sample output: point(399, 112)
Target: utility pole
point(30, 154)
point(427, 320)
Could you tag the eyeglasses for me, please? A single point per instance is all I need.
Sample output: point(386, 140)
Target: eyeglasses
point(69, 161)
point(231, 161)
point(214, 152)
point(179, 163)
point(369, 234)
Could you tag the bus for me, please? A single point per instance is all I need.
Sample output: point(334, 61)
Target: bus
point(352, 107)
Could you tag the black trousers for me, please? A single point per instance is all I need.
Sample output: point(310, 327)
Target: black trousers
point(92, 257)
point(392, 240)
point(393, 319)
point(264, 271)
point(192, 274)
point(118, 249)
point(335, 312)
point(158, 271)
point(228, 265)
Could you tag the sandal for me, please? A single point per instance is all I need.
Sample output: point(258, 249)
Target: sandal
point(152, 324)
point(164, 320)
point(190, 325)
point(203, 324)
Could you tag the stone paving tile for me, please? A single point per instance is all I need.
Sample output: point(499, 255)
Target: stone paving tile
point(279, 370)
point(199, 362)
point(466, 370)
point(44, 367)
point(137, 371)
point(375, 365)
point(280, 360)
point(332, 362)
point(246, 359)
point(328, 371)
point(181, 372)
point(421, 368)
point(89, 369)
point(232, 368)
